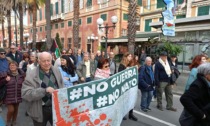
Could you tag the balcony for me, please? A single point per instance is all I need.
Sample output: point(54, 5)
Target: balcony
point(197, 3)
point(58, 17)
point(151, 9)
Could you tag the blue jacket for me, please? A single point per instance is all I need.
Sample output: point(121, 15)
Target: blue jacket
point(160, 74)
point(4, 65)
point(68, 83)
point(191, 78)
point(146, 83)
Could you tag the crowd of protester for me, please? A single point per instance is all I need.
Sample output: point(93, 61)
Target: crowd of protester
point(33, 76)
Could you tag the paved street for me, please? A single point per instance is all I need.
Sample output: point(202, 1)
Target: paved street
point(152, 118)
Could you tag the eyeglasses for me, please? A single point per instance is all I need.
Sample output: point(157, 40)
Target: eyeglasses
point(12, 48)
point(106, 66)
point(2, 53)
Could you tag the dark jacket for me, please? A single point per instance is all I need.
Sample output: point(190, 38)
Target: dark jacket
point(145, 81)
point(13, 87)
point(18, 56)
point(160, 74)
point(115, 65)
point(73, 58)
point(121, 67)
point(196, 100)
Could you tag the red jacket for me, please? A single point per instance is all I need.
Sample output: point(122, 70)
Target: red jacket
point(13, 87)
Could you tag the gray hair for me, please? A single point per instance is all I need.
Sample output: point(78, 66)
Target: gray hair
point(148, 59)
point(204, 68)
point(44, 54)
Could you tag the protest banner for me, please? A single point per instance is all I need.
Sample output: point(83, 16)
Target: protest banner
point(168, 27)
point(98, 103)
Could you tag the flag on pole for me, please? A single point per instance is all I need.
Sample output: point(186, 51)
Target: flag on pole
point(55, 49)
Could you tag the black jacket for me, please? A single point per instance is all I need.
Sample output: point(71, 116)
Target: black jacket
point(160, 74)
point(121, 67)
point(18, 56)
point(196, 100)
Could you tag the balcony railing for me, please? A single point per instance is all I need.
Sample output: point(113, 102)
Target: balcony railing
point(58, 16)
point(200, 3)
point(151, 9)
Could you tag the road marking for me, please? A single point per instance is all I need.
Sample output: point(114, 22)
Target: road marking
point(153, 118)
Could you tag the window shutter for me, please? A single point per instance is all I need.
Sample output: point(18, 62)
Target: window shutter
point(104, 17)
point(140, 2)
point(56, 7)
point(204, 10)
point(147, 27)
point(160, 4)
point(51, 9)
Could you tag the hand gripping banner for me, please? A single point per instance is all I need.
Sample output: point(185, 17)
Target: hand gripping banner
point(98, 103)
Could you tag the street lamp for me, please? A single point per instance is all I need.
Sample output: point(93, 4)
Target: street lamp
point(100, 21)
point(26, 35)
point(91, 39)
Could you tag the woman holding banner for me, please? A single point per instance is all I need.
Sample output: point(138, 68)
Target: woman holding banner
point(125, 62)
point(103, 70)
point(68, 72)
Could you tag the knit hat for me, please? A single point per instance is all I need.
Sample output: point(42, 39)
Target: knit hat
point(2, 50)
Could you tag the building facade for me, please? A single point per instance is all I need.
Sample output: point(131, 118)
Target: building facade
point(192, 25)
point(90, 10)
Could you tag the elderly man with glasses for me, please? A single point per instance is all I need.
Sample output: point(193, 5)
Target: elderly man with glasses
point(14, 54)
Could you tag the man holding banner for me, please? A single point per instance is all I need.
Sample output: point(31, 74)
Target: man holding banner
point(38, 87)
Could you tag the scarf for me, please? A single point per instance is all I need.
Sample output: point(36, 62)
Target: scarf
point(149, 68)
point(102, 74)
point(166, 66)
point(48, 80)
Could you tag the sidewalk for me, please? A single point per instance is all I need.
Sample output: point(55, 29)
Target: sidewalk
point(180, 83)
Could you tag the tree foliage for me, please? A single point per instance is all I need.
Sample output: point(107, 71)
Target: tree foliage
point(169, 47)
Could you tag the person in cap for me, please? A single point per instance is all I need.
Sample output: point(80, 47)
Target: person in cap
point(174, 66)
point(14, 54)
point(163, 82)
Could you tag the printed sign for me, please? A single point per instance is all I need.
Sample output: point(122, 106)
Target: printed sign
point(98, 103)
point(168, 27)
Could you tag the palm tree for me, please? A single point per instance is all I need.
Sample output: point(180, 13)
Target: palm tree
point(33, 6)
point(76, 24)
point(9, 27)
point(48, 23)
point(2, 11)
point(131, 25)
point(21, 7)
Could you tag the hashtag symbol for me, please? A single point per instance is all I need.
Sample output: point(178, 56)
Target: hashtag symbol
point(102, 101)
point(76, 94)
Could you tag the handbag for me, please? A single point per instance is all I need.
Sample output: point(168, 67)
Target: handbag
point(186, 119)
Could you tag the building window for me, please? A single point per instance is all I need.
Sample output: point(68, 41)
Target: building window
point(69, 43)
point(62, 6)
point(125, 17)
point(45, 28)
point(81, 3)
point(79, 45)
point(62, 25)
point(147, 28)
point(69, 23)
point(139, 2)
point(180, 2)
point(31, 30)
point(160, 4)
point(40, 29)
point(51, 9)
point(124, 32)
point(40, 14)
point(80, 21)
point(51, 27)
point(180, 16)
point(71, 3)
point(62, 42)
point(45, 12)
point(161, 19)
point(89, 3)
point(56, 7)
point(56, 26)
point(204, 10)
point(89, 20)
point(104, 17)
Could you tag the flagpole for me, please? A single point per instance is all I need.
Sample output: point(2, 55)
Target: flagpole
point(57, 46)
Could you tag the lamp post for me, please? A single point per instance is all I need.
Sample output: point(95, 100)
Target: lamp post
point(91, 39)
point(100, 21)
point(26, 35)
